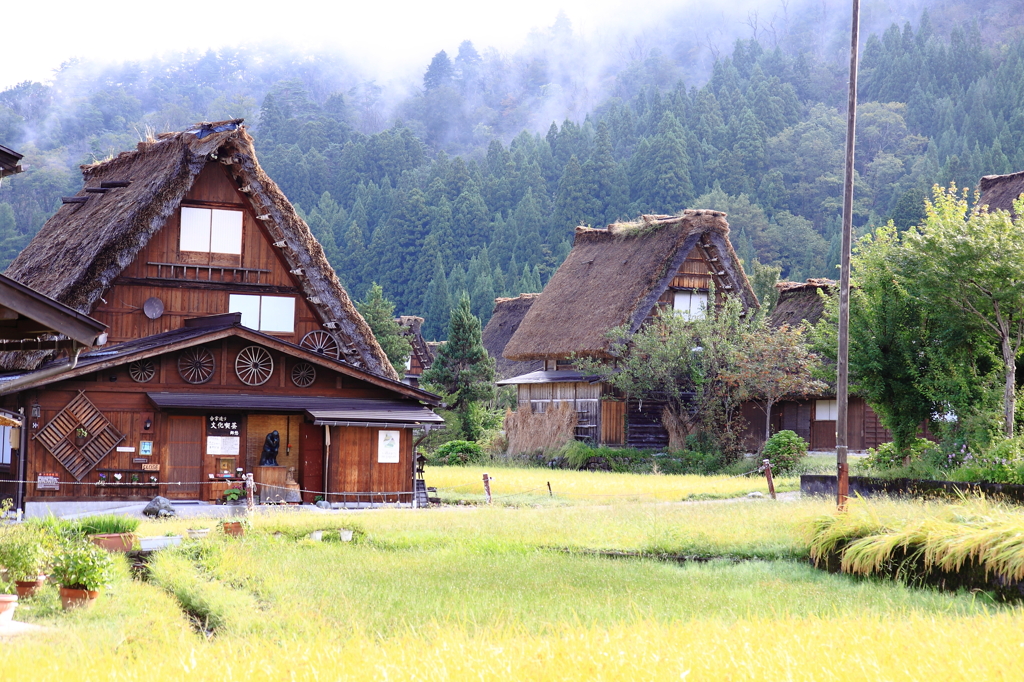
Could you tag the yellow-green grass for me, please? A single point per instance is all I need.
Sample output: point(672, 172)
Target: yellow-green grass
point(947, 536)
point(305, 611)
point(529, 485)
point(740, 528)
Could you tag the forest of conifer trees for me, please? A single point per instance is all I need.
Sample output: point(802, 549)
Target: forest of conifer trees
point(451, 192)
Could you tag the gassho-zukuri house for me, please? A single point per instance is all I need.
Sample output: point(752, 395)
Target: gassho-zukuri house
point(226, 324)
point(622, 275)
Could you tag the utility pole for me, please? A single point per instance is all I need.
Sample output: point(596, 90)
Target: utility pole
point(843, 364)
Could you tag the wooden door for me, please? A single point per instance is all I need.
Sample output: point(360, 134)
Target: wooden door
point(185, 456)
point(311, 460)
point(823, 435)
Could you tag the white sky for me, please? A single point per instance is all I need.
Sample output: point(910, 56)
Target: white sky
point(386, 38)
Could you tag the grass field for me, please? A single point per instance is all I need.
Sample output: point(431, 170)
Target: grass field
point(480, 593)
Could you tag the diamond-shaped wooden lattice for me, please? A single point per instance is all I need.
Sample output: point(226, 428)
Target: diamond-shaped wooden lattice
point(58, 437)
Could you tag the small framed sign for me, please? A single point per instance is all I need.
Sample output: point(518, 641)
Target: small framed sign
point(47, 481)
point(125, 448)
point(151, 467)
point(146, 448)
point(388, 450)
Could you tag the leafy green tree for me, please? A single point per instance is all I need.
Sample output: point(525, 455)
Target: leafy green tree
point(379, 313)
point(763, 279)
point(771, 364)
point(968, 267)
point(462, 371)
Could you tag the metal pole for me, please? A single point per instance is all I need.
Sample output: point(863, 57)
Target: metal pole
point(843, 364)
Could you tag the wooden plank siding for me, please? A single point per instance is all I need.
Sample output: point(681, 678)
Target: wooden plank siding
point(585, 398)
point(125, 404)
point(354, 475)
point(121, 307)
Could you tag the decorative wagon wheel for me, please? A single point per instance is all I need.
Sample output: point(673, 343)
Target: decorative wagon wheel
point(196, 365)
point(303, 374)
point(254, 366)
point(321, 342)
point(142, 371)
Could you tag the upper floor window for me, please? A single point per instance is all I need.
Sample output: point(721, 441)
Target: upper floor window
point(690, 304)
point(210, 230)
point(275, 314)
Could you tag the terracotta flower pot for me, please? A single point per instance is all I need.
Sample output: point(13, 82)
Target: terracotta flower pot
point(114, 542)
point(8, 602)
point(28, 588)
point(71, 598)
point(234, 528)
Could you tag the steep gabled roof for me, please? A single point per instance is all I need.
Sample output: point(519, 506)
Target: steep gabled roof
point(800, 301)
point(411, 326)
point(1000, 191)
point(614, 277)
point(81, 250)
point(505, 320)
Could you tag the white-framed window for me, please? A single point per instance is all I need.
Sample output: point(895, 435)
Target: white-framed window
point(826, 410)
point(690, 304)
point(265, 313)
point(210, 230)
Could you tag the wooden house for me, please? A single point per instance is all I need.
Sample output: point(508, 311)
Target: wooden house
point(9, 162)
point(620, 276)
point(505, 320)
point(813, 417)
point(228, 323)
point(421, 356)
point(30, 320)
point(1000, 191)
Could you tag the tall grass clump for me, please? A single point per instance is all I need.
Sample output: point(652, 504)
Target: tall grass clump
point(107, 523)
point(532, 432)
point(972, 544)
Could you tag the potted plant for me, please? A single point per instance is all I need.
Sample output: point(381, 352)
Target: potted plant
point(80, 436)
point(198, 532)
point(26, 554)
point(235, 528)
point(111, 532)
point(233, 495)
point(8, 602)
point(81, 569)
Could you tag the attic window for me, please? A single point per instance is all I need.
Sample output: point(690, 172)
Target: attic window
point(690, 304)
point(210, 230)
point(275, 314)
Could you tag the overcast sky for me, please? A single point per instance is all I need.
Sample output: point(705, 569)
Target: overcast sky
point(386, 38)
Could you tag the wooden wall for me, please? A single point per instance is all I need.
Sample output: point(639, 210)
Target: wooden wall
point(122, 308)
point(352, 467)
point(124, 403)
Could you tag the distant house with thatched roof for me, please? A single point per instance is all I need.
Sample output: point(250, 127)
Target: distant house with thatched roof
point(230, 337)
point(813, 418)
point(421, 356)
point(1000, 191)
point(620, 276)
point(505, 320)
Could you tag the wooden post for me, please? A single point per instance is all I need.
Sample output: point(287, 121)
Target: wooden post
point(768, 475)
point(250, 485)
point(487, 487)
point(843, 358)
point(550, 494)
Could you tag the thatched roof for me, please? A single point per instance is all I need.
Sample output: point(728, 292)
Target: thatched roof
point(411, 327)
point(505, 320)
point(614, 277)
point(1000, 191)
point(85, 246)
point(799, 301)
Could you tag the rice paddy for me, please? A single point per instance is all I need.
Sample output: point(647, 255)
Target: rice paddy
point(477, 592)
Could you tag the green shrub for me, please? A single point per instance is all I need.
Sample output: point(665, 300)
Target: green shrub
point(456, 452)
point(1002, 463)
point(26, 552)
point(576, 454)
point(107, 523)
point(886, 456)
point(82, 565)
point(784, 450)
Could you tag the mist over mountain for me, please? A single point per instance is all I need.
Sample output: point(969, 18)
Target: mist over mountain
point(471, 176)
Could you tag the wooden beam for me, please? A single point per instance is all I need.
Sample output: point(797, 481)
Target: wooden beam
point(211, 286)
point(54, 316)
